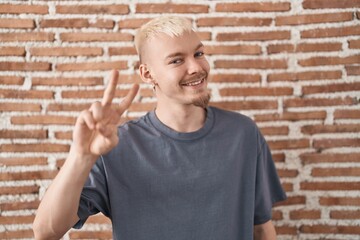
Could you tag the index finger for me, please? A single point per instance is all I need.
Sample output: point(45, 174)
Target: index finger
point(109, 92)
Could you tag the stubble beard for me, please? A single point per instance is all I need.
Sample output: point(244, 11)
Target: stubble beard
point(202, 100)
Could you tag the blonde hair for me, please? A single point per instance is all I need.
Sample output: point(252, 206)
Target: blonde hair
point(169, 25)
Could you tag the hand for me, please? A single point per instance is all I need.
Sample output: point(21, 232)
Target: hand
point(95, 130)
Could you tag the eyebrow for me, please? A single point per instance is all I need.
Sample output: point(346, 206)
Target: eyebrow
point(176, 54)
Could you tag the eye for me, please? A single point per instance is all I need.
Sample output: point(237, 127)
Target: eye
point(176, 61)
point(199, 54)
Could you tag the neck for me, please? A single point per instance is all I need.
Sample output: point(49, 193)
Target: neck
point(188, 118)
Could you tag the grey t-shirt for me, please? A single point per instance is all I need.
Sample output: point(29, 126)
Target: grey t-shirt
point(212, 184)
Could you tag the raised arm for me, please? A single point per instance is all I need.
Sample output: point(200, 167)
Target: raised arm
point(95, 133)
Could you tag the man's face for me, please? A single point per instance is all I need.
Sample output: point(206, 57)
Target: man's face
point(179, 68)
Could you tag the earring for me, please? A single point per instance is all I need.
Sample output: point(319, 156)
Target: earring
point(154, 87)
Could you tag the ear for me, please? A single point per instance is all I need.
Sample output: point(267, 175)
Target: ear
point(145, 74)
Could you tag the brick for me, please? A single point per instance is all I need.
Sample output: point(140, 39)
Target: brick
point(287, 173)
point(335, 172)
point(20, 107)
point(142, 107)
point(334, 143)
point(305, 214)
point(252, 63)
point(91, 66)
point(233, 50)
point(133, 23)
point(62, 81)
point(104, 234)
point(16, 23)
point(329, 186)
point(316, 102)
point(17, 234)
point(98, 219)
point(304, 76)
point(10, 134)
point(277, 215)
point(310, 158)
point(321, 61)
point(76, 23)
point(289, 144)
point(292, 200)
point(281, 130)
point(171, 8)
point(331, 88)
point(304, 47)
point(11, 80)
point(253, 7)
point(63, 107)
point(24, 94)
point(342, 214)
point(23, 161)
point(19, 190)
point(315, 129)
point(34, 147)
point(12, 51)
point(115, 9)
point(27, 37)
point(23, 9)
point(288, 187)
point(354, 44)
point(347, 114)
point(66, 51)
point(315, 4)
point(291, 116)
point(43, 119)
point(331, 32)
point(146, 93)
point(95, 37)
point(313, 18)
point(25, 66)
point(204, 36)
point(28, 175)
point(232, 21)
point(227, 78)
point(352, 70)
point(330, 229)
point(8, 220)
point(63, 135)
point(13, 206)
point(286, 230)
point(91, 93)
point(256, 91)
point(339, 201)
point(114, 51)
point(254, 36)
point(246, 105)
point(279, 157)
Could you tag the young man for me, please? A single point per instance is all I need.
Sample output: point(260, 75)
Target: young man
point(183, 171)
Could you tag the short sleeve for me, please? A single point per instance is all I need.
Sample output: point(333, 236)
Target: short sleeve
point(268, 189)
point(94, 196)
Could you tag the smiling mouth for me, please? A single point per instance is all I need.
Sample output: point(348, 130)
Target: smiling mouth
point(193, 83)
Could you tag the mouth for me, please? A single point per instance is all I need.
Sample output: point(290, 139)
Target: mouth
point(193, 83)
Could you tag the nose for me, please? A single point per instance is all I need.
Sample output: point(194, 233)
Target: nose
point(194, 66)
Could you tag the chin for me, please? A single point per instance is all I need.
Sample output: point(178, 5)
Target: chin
point(202, 101)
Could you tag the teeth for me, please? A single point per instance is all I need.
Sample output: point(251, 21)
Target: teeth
point(193, 83)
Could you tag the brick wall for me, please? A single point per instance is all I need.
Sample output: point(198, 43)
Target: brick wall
point(293, 66)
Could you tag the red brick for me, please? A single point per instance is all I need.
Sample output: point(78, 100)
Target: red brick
point(95, 37)
point(17, 23)
point(254, 36)
point(133, 23)
point(281, 130)
point(63, 107)
point(252, 63)
point(287, 173)
point(117, 9)
point(288, 187)
point(17, 234)
point(246, 105)
point(31, 175)
point(66, 51)
point(25, 66)
point(315, 129)
point(277, 215)
point(13, 206)
point(304, 76)
point(23, 161)
point(321, 61)
point(279, 157)
point(289, 144)
point(39, 134)
point(113, 51)
point(19, 189)
point(22, 94)
point(253, 7)
point(62, 81)
point(34, 147)
point(104, 234)
point(252, 91)
point(329, 186)
point(310, 158)
point(308, 102)
point(27, 37)
point(333, 143)
point(291, 116)
point(342, 214)
point(354, 44)
point(232, 21)
point(233, 50)
point(226, 78)
point(20, 107)
point(63, 135)
point(75, 23)
point(313, 18)
point(353, 70)
point(286, 230)
point(98, 219)
point(8, 220)
point(331, 88)
point(335, 172)
point(11, 80)
point(305, 214)
point(91, 94)
point(292, 200)
point(23, 9)
point(43, 119)
point(91, 66)
point(330, 229)
point(304, 47)
point(204, 36)
point(331, 32)
point(12, 51)
point(347, 114)
point(171, 8)
point(315, 4)
point(339, 201)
